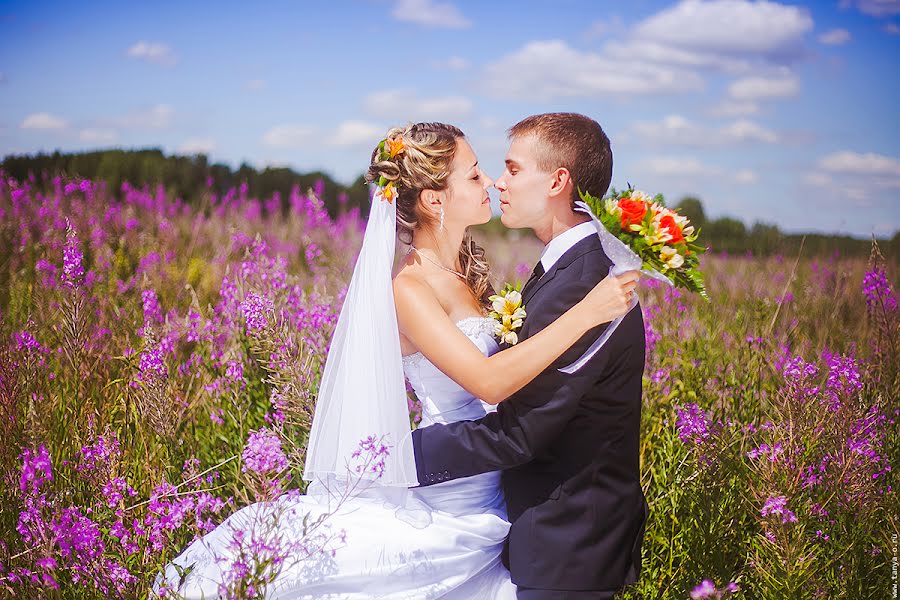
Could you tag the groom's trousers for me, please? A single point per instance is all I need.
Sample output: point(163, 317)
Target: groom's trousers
point(533, 594)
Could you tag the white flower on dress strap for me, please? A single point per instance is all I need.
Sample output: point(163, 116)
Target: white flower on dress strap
point(508, 314)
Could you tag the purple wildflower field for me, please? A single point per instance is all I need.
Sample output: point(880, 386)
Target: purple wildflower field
point(160, 359)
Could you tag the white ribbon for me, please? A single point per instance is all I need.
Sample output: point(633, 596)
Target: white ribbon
point(623, 259)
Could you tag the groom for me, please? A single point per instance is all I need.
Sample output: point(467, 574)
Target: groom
point(568, 445)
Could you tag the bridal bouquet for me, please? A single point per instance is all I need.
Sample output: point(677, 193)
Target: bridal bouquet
point(639, 232)
point(663, 240)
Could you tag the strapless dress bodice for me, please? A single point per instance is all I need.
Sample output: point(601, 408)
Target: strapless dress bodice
point(443, 400)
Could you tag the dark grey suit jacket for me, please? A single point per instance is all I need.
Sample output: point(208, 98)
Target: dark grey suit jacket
point(568, 446)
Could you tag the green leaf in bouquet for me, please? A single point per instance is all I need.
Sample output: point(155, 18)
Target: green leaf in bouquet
point(612, 224)
point(697, 278)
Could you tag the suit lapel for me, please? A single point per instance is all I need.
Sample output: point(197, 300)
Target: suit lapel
point(581, 248)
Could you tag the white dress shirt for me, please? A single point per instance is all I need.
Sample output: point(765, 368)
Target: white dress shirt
point(561, 243)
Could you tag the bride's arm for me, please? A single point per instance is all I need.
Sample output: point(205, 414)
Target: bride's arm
point(423, 321)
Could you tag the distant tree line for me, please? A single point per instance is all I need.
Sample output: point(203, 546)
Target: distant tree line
point(187, 176)
point(730, 235)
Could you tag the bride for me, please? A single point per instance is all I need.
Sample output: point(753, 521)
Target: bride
point(399, 541)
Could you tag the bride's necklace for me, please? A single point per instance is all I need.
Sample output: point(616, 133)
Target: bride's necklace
point(436, 263)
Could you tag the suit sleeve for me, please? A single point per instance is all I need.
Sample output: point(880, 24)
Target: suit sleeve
point(530, 419)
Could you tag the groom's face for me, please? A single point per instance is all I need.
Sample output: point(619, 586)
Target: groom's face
point(523, 186)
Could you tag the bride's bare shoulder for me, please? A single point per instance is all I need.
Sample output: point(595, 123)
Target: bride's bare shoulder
point(411, 287)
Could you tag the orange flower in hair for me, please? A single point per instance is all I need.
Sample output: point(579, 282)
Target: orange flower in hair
point(395, 146)
point(389, 192)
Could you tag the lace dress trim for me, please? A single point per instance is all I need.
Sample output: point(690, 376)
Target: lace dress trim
point(471, 326)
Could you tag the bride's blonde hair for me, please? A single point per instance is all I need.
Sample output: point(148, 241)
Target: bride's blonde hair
point(425, 165)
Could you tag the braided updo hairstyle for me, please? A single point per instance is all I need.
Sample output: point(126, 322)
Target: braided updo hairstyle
point(425, 165)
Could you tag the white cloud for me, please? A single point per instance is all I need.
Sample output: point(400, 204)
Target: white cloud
point(602, 27)
point(488, 123)
point(867, 180)
point(818, 179)
point(98, 136)
point(892, 29)
point(288, 135)
point(44, 121)
point(652, 51)
point(733, 108)
point(159, 116)
point(875, 8)
point(254, 85)
point(729, 26)
point(404, 105)
point(153, 52)
point(197, 146)
point(454, 63)
point(664, 53)
point(357, 133)
point(760, 87)
point(746, 177)
point(543, 70)
point(430, 14)
point(745, 130)
point(860, 164)
point(596, 29)
point(835, 37)
point(677, 130)
point(670, 166)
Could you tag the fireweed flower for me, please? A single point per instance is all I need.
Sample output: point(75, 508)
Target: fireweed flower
point(878, 290)
point(153, 363)
point(73, 269)
point(707, 589)
point(234, 370)
point(693, 424)
point(843, 383)
point(255, 308)
point(371, 455)
point(262, 453)
point(777, 506)
point(152, 311)
point(48, 270)
point(36, 470)
point(764, 450)
point(115, 490)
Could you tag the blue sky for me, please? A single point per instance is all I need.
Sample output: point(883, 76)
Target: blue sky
point(780, 112)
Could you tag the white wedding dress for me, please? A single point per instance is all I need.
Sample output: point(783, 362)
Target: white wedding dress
point(387, 554)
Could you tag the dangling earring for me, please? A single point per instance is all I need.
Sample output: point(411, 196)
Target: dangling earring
point(441, 228)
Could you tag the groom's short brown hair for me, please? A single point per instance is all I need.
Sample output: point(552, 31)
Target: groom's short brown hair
point(572, 141)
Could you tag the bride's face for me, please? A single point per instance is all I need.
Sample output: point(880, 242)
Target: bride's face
point(466, 198)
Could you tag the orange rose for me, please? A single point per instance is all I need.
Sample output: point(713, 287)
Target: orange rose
point(668, 224)
point(633, 211)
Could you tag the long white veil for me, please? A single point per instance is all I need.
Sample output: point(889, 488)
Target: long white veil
point(363, 392)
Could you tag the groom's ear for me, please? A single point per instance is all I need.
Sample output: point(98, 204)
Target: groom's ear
point(559, 182)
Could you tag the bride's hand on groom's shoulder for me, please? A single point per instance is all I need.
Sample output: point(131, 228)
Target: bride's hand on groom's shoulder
point(611, 298)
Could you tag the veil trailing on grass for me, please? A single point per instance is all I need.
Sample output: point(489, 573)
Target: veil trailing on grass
point(363, 391)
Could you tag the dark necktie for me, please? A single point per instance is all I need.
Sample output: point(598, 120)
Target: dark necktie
point(535, 276)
